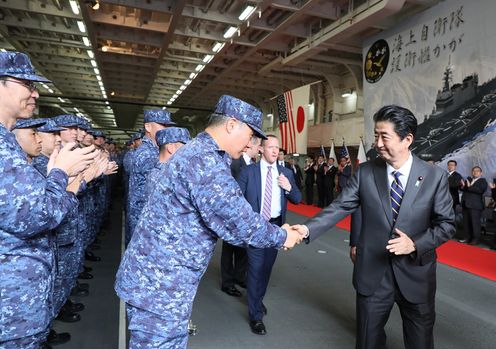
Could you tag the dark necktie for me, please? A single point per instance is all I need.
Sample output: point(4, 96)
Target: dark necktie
point(396, 194)
point(267, 195)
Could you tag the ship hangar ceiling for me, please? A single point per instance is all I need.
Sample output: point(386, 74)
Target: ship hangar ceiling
point(110, 59)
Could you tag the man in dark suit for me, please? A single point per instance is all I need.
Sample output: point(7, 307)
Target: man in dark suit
point(454, 180)
point(233, 260)
point(473, 204)
point(330, 172)
point(407, 213)
point(320, 172)
point(344, 172)
point(281, 159)
point(309, 180)
point(267, 187)
point(293, 166)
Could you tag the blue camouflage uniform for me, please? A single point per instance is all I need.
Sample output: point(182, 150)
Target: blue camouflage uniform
point(195, 202)
point(30, 207)
point(143, 161)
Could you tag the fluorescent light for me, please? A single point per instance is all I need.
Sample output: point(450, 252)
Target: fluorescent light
point(199, 67)
point(247, 12)
point(187, 82)
point(182, 88)
point(3, 50)
point(86, 41)
point(107, 102)
point(90, 53)
point(44, 85)
point(81, 26)
point(218, 46)
point(100, 83)
point(60, 99)
point(178, 92)
point(207, 58)
point(74, 6)
point(169, 103)
point(230, 32)
point(93, 63)
point(192, 75)
point(347, 93)
point(108, 107)
point(97, 71)
point(175, 96)
point(99, 78)
point(50, 90)
point(76, 109)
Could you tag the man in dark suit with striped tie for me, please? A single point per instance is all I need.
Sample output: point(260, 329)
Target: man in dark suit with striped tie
point(267, 187)
point(233, 260)
point(407, 213)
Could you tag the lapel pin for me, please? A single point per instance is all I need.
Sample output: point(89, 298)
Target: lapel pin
point(418, 181)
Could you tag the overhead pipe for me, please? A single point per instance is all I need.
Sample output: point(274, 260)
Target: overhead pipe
point(226, 6)
point(207, 6)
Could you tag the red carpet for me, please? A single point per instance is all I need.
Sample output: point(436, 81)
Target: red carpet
point(474, 260)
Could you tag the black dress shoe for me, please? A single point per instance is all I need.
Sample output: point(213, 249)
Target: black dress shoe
point(258, 327)
point(83, 285)
point(85, 276)
point(474, 242)
point(88, 269)
point(55, 338)
point(66, 316)
point(91, 257)
point(232, 291)
point(94, 247)
point(264, 309)
point(73, 307)
point(241, 284)
point(79, 292)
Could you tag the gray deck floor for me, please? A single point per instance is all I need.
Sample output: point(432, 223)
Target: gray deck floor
point(310, 301)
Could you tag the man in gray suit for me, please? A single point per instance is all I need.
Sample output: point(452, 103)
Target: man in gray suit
point(407, 213)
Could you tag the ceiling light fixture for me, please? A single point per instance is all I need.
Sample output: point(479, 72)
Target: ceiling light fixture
point(98, 77)
point(81, 26)
point(90, 53)
point(93, 63)
point(207, 58)
point(192, 76)
point(112, 93)
point(347, 93)
point(50, 90)
point(218, 46)
point(60, 99)
point(247, 12)
point(230, 32)
point(199, 67)
point(74, 6)
point(178, 92)
point(182, 88)
point(96, 5)
point(86, 41)
point(169, 103)
point(187, 82)
point(97, 71)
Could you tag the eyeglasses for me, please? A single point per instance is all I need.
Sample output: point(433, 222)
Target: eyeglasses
point(30, 85)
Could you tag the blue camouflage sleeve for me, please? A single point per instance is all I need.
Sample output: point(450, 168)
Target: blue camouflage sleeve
point(29, 203)
point(224, 210)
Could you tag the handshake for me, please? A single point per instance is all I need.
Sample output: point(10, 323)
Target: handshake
point(295, 234)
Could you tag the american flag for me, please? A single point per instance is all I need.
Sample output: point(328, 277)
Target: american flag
point(287, 122)
point(344, 152)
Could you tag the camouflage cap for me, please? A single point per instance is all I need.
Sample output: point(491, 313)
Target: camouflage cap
point(159, 116)
point(135, 136)
point(28, 123)
point(49, 126)
point(83, 124)
point(242, 111)
point(172, 135)
point(18, 65)
point(98, 133)
point(66, 120)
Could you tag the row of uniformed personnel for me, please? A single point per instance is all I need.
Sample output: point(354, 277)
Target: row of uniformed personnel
point(54, 193)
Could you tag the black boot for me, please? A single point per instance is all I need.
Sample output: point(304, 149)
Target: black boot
point(55, 338)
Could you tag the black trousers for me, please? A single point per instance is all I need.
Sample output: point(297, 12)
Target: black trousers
point(309, 193)
point(373, 313)
point(233, 265)
point(472, 223)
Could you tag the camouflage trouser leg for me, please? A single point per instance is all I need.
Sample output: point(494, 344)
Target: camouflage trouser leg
point(150, 331)
point(31, 342)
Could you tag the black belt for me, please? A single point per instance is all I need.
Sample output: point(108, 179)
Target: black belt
point(275, 220)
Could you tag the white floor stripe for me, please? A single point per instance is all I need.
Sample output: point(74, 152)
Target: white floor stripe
point(122, 306)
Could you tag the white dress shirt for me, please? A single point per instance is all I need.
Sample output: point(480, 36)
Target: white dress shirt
point(247, 159)
point(275, 206)
point(404, 170)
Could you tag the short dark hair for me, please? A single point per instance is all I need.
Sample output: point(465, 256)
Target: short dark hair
point(453, 161)
point(268, 136)
point(403, 119)
point(473, 168)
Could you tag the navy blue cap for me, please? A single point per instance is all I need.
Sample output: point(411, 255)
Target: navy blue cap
point(66, 120)
point(28, 123)
point(135, 136)
point(242, 111)
point(49, 126)
point(18, 65)
point(98, 133)
point(159, 116)
point(172, 135)
point(83, 123)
